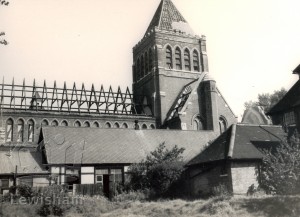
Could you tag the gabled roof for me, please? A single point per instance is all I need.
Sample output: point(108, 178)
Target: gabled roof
point(167, 17)
point(116, 146)
point(241, 142)
point(28, 161)
point(290, 100)
point(297, 70)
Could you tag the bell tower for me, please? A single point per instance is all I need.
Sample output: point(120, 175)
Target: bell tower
point(168, 65)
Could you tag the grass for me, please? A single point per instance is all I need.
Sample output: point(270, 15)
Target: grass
point(262, 206)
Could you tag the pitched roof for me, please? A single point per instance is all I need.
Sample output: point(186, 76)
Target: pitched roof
point(297, 70)
point(247, 140)
point(255, 115)
point(27, 161)
point(112, 146)
point(290, 100)
point(167, 17)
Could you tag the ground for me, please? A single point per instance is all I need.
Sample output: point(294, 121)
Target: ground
point(263, 206)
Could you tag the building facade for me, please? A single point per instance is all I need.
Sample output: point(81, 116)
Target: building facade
point(172, 90)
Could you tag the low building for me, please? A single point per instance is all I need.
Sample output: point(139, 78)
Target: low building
point(287, 111)
point(233, 159)
point(91, 155)
point(22, 165)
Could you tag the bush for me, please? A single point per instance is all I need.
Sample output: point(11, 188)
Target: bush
point(44, 210)
point(280, 170)
point(159, 172)
point(24, 191)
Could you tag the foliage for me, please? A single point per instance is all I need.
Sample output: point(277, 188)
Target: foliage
point(24, 191)
point(161, 169)
point(266, 100)
point(280, 170)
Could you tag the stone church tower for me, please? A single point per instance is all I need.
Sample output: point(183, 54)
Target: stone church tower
point(170, 71)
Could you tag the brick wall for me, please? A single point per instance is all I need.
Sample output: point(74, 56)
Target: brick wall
point(38, 117)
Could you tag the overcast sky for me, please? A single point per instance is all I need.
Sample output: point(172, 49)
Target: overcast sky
point(252, 45)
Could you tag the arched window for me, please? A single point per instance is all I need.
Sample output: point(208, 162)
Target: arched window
point(150, 60)
point(54, 123)
point(116, 125)
point(142, 67)
point(138, 70)
point(9, 130)
point(45, 123)
point(30, 130)
point(146, 63)
point(196, 61)
point(222, 125)
point(198, 123)
point(178, 58)
point(152, 126)
point(64, 123)
point(169, 62)
point(20, 137)
point(96, 124)
point(107, 125)
point(86, 124)
point(144, 127)
point(187, 60)
point(77, 124)
point(125, 125)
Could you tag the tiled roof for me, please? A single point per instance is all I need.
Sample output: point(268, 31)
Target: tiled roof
point(112, 146)
point(167, 17)
point(27, 161)
point(248, 140)
point(291, 99)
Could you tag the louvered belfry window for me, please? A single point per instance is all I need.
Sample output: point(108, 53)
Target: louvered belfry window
point(187, 63)
point(178, 59)
point(169, 58)
point(196, 61)
point(20, 130)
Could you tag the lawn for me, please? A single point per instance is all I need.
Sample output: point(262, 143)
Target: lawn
point(263, 206)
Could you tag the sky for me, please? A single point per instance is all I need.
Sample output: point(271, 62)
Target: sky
point(252, 45)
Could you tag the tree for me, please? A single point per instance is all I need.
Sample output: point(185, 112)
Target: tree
point(3, 41)
point(161, 169)
point(280, 169)
point(266, 100)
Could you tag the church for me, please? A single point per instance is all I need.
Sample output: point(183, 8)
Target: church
point(81, 135)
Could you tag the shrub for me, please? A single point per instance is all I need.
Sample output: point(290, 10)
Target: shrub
point(44, 210)
point(280, 170)
point(161, 170)
point(24, 191)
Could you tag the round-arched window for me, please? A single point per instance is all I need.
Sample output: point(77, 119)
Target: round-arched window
point(198, 123)
point(54, 123)
point(77, 124)
point(86, 124)
point(64, 123)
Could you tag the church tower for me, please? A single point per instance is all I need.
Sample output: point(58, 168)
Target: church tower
point(170, 74)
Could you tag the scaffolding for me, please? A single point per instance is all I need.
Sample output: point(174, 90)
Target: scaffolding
point(54, 99)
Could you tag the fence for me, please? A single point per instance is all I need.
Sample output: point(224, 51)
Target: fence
point(88, 189)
